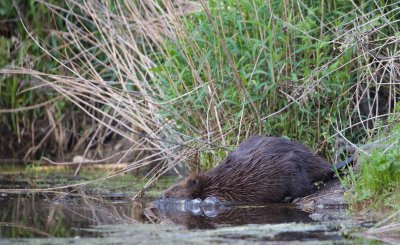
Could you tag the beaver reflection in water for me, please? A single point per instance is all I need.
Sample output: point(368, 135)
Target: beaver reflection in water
point(261, 170)
point(274, 213)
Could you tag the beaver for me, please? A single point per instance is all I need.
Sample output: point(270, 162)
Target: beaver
point(261, 170)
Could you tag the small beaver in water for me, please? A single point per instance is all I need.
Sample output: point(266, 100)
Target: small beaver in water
point(261, 170)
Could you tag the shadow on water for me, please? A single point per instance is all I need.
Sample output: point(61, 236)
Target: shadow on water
point(112, 217)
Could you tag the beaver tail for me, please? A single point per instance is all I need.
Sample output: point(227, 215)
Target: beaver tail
point(342, 164)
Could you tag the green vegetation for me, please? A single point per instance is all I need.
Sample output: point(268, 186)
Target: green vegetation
point(29, 112)
point(253, 67)
point(181, 84)
point(376, 182)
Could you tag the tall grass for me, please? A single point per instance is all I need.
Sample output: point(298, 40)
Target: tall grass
point(183, 83)
point(28, 115)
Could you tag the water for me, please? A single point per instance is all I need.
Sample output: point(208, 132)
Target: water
point(99, 216)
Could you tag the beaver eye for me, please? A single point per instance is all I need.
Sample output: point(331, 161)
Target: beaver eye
point(193, 183)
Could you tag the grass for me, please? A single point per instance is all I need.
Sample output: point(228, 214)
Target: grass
point(237, 67)
point(28, 112)
point(376, 181)
point(374, 185)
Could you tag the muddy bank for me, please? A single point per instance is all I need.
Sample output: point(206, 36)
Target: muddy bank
point(327, 203)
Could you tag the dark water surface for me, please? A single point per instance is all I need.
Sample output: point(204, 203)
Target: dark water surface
point(111, 217)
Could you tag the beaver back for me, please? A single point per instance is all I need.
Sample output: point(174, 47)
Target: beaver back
point(261, 170)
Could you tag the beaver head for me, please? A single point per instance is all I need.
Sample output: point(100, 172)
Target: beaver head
point(190, 187)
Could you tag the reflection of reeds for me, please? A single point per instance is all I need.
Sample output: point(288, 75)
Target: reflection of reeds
point(151, 215)
point(33, 216)
point(387, 230)
point(25, 228)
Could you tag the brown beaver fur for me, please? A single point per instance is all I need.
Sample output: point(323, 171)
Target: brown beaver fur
point(261, 170)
